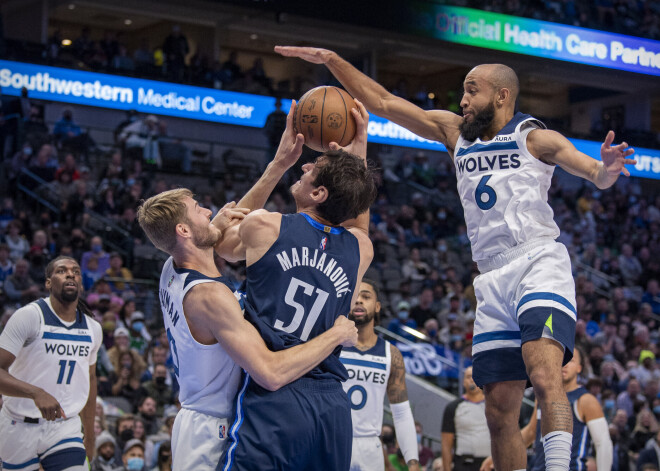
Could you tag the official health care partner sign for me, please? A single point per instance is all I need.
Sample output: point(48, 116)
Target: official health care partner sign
point(535, 38)
point(125, 93)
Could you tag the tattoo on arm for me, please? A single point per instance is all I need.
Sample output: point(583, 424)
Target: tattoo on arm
point(396, 385)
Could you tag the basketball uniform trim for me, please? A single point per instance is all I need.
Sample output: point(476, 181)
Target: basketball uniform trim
point(233, 431)
point(50, 318)
point(503, 364)
point(6, 465)
point(323, 227)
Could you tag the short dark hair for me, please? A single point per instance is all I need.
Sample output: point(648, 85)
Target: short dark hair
point(350, 185)
point(51, 265)
point(374, 285)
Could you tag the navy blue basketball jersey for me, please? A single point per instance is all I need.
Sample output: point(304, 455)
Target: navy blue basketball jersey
point(297, 290)
point(581, 447)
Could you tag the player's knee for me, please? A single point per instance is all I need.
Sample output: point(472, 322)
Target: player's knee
point(501, 415)
point(544, 382)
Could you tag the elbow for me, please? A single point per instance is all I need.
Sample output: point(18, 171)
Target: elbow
point(269, 381)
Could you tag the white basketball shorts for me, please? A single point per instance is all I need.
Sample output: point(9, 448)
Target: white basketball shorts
point(198, 441)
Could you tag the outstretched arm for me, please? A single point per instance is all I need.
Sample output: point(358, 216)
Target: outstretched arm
point(553, 148)
point(436, 125)
point(212, 308)
point(230, 247)
point(592, 414)
point(397, 393)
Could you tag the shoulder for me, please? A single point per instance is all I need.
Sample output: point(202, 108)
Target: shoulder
point(589, 408)
point(204, 299)
point(260, 219)
point(96, 328)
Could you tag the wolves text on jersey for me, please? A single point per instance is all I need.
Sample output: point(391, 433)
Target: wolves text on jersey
point(488, 163)
point(69, 350)
point(367, 376)
point(329, 268)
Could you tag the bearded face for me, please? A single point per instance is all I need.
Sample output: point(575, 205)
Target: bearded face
point(479, 124)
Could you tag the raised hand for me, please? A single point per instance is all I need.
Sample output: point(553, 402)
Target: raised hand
point(314, 55)
point(358, 145)
point(348, 333)
point(615, 157)
point(290, 147)
point(229, 215)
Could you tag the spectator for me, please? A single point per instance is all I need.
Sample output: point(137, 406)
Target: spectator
point(425, 453)
point(96, 251)
point(626, 400)
point(402, 319)
point(652, 295)
point(424, 309)
point(164, 459)
point(414, 268)
point(122, 62)
point(158, 390)
point(176, 49)
point(630, 267)
point(44, 165)
point(69, 167)
point(650, 455)
point(18, 245)
point(646, 370)
point(144, 58)
point(6, 265)
point(274, 127)
point(133, 457)
point(19, 288)
point(139, 334)
point(117, 270)
point(141, 140)
point(149, 415)
point(646, 427)
point(126, 383)
point(105, 453)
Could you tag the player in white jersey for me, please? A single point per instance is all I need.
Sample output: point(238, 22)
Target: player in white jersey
point(375, 368)
point(49, 345)
point(504, 161)
point(207, 331)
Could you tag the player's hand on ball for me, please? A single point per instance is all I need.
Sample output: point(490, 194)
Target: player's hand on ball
point(291, 144)
point(314, 55)
point(48, 405)
point(348, 333)
point(358, 145)
point(228, 216)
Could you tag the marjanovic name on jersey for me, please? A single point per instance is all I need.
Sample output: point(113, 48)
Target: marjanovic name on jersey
point(329, 267)
point(488, 163)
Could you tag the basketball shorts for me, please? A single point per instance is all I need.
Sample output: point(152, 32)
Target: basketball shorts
point(198, 440)
point(305, 425)
point(523, 294)
point(367, 454)
point(55, 445)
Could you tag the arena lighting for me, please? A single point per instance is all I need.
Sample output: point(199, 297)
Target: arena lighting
point(219, 106)
point(71, 6)
point(66, 42)
point(128, 21)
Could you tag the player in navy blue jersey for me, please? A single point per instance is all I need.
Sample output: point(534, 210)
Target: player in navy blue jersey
point(302, 271)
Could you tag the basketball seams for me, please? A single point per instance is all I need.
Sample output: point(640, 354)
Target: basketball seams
point(346, 113)
point(325, 92)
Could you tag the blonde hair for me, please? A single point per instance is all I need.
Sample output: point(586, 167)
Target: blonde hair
point(159, 215)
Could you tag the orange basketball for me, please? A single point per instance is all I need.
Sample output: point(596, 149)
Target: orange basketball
point(323, 115)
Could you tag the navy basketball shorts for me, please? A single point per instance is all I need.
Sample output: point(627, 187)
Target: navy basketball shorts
point(524, 294)
point(305, 425)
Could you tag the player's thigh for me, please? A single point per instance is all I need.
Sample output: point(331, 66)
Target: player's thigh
point(545, 302)
point(198, 441)
point(367, 454)
point(61, 447)
point(18, 444)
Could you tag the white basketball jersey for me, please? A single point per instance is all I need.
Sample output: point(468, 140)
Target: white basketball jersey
point(208, 377)
point(504, 189)
point(368, 373)
point(54, 356)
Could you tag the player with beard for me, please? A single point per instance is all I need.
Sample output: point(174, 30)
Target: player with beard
point(375, 368)
point(209, 338)
point(50, 345)
point(525, 319)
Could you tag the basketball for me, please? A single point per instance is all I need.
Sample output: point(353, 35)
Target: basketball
point(323, 115)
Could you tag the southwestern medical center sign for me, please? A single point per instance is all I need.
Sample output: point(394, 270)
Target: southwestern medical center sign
point(207, 104)
point(533, 37)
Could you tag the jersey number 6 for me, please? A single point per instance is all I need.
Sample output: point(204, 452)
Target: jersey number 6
point(289, 299)
point(484, 189)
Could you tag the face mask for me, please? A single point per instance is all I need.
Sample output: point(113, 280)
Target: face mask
point(135, 463)
point(388, 438)
point(432, 333)
point(126, 435)
point(419, 438)
point(128, 366)
point(456, 338)
point(96, 248)
point(138, 326)
point(27, 150)
point(442, 248)
point(402, 315)
point(160, 381)
point(656, 410)
point(609, 403)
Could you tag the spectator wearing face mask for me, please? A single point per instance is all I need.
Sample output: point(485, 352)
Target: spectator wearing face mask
point(158, 390)
point(96, 251)
point(402, 319)
point(105, 453)
point(133, 456)
point(139, 334)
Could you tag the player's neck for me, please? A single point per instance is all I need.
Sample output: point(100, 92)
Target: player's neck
point(499, 121)
point(367, 337)
point(65, 311)
point(571, 386)
point(314, 215)
point(200, 260)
